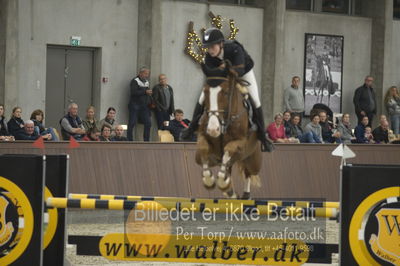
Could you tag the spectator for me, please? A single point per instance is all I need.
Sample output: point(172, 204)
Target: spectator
point(71, 124)
point(90, 121)
point(16, 124)
point(315, 128)
point(138, 103)
point(119, 134)
point(364, 101)
point(4, 134)
point(359, 131)
point(276, 130)
point(344, 127)
point(392, 103)
point(293, 98)
point(92, 135)
point(176, 125)
point(368, 135)
point(28, 132)
point(37, 117)
point(297, 132)
point(329, 134)
point(105, 133)
point(163, 96)
point(286, 122)
point(381, 133)
point(109, 119)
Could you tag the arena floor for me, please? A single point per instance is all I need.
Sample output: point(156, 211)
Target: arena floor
point(100, 222)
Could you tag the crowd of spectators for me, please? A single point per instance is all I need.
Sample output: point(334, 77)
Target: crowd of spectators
point(287, 127)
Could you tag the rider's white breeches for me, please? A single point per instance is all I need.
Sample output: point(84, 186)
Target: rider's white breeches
point(253, 89)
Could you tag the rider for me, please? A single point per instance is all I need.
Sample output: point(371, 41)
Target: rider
point(220, 50)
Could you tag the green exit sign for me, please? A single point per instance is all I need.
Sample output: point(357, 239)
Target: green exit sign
point(75, 40)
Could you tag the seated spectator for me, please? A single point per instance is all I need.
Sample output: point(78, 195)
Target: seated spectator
point(315, 128)
point(286, 122)
point(276, 130)
point(105, 133)
point(381, 133)
point(359, 131)
point(37, 117)
point(368, 135)
point(329, 134)
point(90, 121)
point(28, 133)
point(297, 132)
point(71, 124)
point(119, 134)
point(92, 135)
point(176, 125)
point(16, 124)
point(4, 134)
point(109, 119)
point(344, 127)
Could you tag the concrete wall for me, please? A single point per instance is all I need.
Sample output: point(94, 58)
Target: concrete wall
point(3, 19)
point(185, 76)
point(357, 48)
point(107, 24)
point(395, 55)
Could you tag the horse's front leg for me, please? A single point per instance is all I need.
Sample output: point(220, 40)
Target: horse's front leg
point(202, 158)
point(232, 151)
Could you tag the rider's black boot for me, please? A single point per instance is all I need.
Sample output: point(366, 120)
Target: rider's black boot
point(258, 119)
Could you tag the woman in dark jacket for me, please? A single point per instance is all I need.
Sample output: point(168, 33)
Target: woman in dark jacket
point(16, 124)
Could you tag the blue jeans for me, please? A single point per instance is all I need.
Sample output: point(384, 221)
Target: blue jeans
point(49, 130)
point(395, 121)
point(143, 113)
point(309, 137)
point(161, 117)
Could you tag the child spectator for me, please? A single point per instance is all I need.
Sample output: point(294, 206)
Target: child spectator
point(368, 135)
point(176, 125)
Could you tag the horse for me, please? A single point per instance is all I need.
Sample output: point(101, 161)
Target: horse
point(225, 136)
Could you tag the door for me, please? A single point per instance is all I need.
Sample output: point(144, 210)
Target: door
point(69, 78)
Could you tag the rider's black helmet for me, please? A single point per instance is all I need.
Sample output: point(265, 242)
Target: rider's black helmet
point(212, 36)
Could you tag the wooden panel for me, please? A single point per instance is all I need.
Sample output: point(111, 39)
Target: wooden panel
point(169, 169)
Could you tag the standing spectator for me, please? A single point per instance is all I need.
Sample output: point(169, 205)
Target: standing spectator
point(138, 103)
point(364, 101)
point(276, 130)
point(392, 103)
point(176, 125)
point(71, 124)
point(109, 119)
point(359, 131)
point(315, 128)
point(286, 122)
point(297, 132)
point(329, 134)
point(90, 121)
point(105, 133)
point(37, 117)
point(344, 127)
point(28, 133)
point(119, 134)
point(16, 124)
point(92, 135)
point(381, 133)
point(163, 96)
point(4, 134)
point(293, 98)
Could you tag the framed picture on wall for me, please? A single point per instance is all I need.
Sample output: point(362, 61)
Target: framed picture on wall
point(323, 71)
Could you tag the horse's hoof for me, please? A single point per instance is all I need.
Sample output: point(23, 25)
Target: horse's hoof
point(222, 182)
point(230, 194)
point(246, 195)
point(209, 181)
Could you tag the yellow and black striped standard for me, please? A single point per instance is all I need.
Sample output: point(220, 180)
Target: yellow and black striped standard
point(282, 203)
point(220, 207)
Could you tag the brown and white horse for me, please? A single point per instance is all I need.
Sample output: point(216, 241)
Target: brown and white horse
point(225, 137)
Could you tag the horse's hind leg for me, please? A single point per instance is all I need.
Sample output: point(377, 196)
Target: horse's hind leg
point(251, 168)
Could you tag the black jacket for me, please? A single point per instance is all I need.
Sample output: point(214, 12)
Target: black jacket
point(380, 135)
point(116, 138)
point(3, 126)
point(138, 92)
point(293, 133)
point(14, 126)
point(175, 127)
point(160, 100)
point(361, 100)
point(235, 53)
point(21, 135)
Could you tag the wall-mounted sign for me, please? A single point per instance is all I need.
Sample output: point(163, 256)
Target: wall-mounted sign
point(75, 40)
